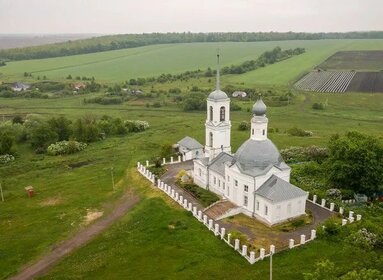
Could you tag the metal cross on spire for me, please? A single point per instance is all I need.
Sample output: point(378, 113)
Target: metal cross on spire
point(217, 86)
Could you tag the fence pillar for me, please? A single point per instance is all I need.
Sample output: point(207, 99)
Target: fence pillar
point(195, 211)
point(181, 199)
point(351, 219)
point(341, 210)
point(210, 224)
point(303, 239)
point(323, 202)
point(163, 160)
point(252, 257)
point(358, 217)
point(344, 222)
point(190, 206)
point(200, 215)
point(228, 238)
point(350, 214)
point(313, 234)
point(171, 159)
point(147, 163)
point(216, 229)
point(176, 196)
point(262, 253)
point(244, 250)
point(205, 219)
point(223, 230)
point(332, 206)
point(172, 193)
point(185, 203)
point(159, 183)
point(272, 249)
point(291, 243)
point(179, 158)
point(315, 198)
point(236, 244)
point(138, 164)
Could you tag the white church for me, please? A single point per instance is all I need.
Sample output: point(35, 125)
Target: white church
point(255, 178)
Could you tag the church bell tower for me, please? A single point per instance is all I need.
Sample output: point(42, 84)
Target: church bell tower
point(218, 125)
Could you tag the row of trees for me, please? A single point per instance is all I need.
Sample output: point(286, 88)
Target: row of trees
point(41, 132)
point(114, 42)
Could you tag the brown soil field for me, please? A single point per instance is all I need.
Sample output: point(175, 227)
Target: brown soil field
point(354, 60)
point(366, 82)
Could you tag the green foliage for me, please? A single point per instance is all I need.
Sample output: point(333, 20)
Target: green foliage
point(6, 142)
point(323, 270)
point(318, 106)
point(86, 129)
point(363, 274)
point(65, 148)
point(136, 125)
point(205, 197)
point(62, 126)
point(194, 102)
point(167, 151)
point(355, 162)
point(104, 100)
point(244, 126)
point(295, 131)
point(301, 154)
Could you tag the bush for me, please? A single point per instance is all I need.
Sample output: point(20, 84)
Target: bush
point(136, 125)
point(363, 238)
point(299, 132)
point(331, 227)
point(300, 154)
point(6, 158)
point(318, 106)
point(244, 125)
point(235, 107)
point(65, 148)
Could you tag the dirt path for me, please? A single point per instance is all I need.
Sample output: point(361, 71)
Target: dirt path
point(126, 202)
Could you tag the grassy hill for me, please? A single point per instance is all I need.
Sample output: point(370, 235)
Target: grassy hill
point(122, 65)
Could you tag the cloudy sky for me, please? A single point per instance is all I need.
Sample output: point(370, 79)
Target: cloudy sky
point(138, 16)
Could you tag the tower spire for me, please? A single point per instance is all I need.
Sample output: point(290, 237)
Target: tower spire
point(217, 86)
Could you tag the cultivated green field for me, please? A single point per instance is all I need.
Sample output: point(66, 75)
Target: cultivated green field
point(122, 65)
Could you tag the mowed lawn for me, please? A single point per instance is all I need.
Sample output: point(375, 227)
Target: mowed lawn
point(30, 227)
point(148, 61)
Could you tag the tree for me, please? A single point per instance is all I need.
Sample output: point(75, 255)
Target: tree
point(356, 162)
point(363, 274)
point(6, 143)
point(42, 136)
point(61, 126)
point(323, 270)
point(86, 129)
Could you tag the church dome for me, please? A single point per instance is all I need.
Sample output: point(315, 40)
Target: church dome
point(217, 95)
point(259, 154)
point(259, 108)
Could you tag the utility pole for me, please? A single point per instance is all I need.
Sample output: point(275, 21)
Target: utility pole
point(111, 172)
point(2, 195)
point(271, 265)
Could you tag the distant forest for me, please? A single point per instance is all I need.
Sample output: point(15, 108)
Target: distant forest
point(115, 42)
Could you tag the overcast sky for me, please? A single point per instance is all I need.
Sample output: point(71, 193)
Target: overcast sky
point(138, 16)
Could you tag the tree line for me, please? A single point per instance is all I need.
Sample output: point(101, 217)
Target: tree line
point(115, 42)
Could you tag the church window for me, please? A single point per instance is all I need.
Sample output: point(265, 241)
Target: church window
point(263, 132)
point(252, 131)
point(215, 180)
point(289, 208)
point(246, 188)
point(211, 113)
point(223, 185)
point(219, 183)
point(196, 153)
point(211, 139)
point(236, 183)
point(200, 172)
point(245, 199)
point(257, 205)
point(222, 114)
point(266, 210)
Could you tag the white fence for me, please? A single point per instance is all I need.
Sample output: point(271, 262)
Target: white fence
point(164, 162)
point(220, 232)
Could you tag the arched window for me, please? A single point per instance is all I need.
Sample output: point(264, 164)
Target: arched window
point(211, 113)
point(222, 114)
point(211, 139)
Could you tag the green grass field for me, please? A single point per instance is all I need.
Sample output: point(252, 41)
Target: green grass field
point(122, 65)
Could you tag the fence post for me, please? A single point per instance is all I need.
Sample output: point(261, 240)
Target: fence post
point(272, 249)
point(194, 210)
point(315, 197)
point(341, 210)
point(176, 198)
point(262, 253)
point(244, 250)
point(185, 203)
point(350, 214)
point(228, 238)
point(163, 160)
point(332, 206)
point(236, 244)
point(138, 164)
point(323, 202)
point(200, 215)
point(351, 219)
point(358, 217)
point(223, 230)
point(179, 158)
point(205, 219)
point(147, 163)
point(216, 229)
point(181, 199)
point(210, 224)
point(291, 243)
point(252, 257)
point(303, 239)
point(344, 222)
point(171, 159)
point(313, 234)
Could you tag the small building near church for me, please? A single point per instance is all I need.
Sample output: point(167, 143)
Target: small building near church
point(239, 94)
point(190, 148)
point(18, 86)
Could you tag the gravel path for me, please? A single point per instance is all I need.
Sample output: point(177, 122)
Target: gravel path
point(41, 267)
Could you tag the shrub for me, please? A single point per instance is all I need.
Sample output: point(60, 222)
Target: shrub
point(298, 223)
point(318, 106)
point(65, 148)
point(331, 227)
point(363, 238)
point(334, 193)
point(244, 125)
point(136, 125)
point(6, 158)
point(295, 131)
point(156, 105)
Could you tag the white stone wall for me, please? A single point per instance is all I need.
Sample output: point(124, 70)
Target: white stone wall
point(191, 154)
point(200, 180)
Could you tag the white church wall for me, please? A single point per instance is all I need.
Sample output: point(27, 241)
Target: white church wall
point(216, 183)
point(192, 154)
point(200, 174)
point(283, 174)
point(289, 209)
